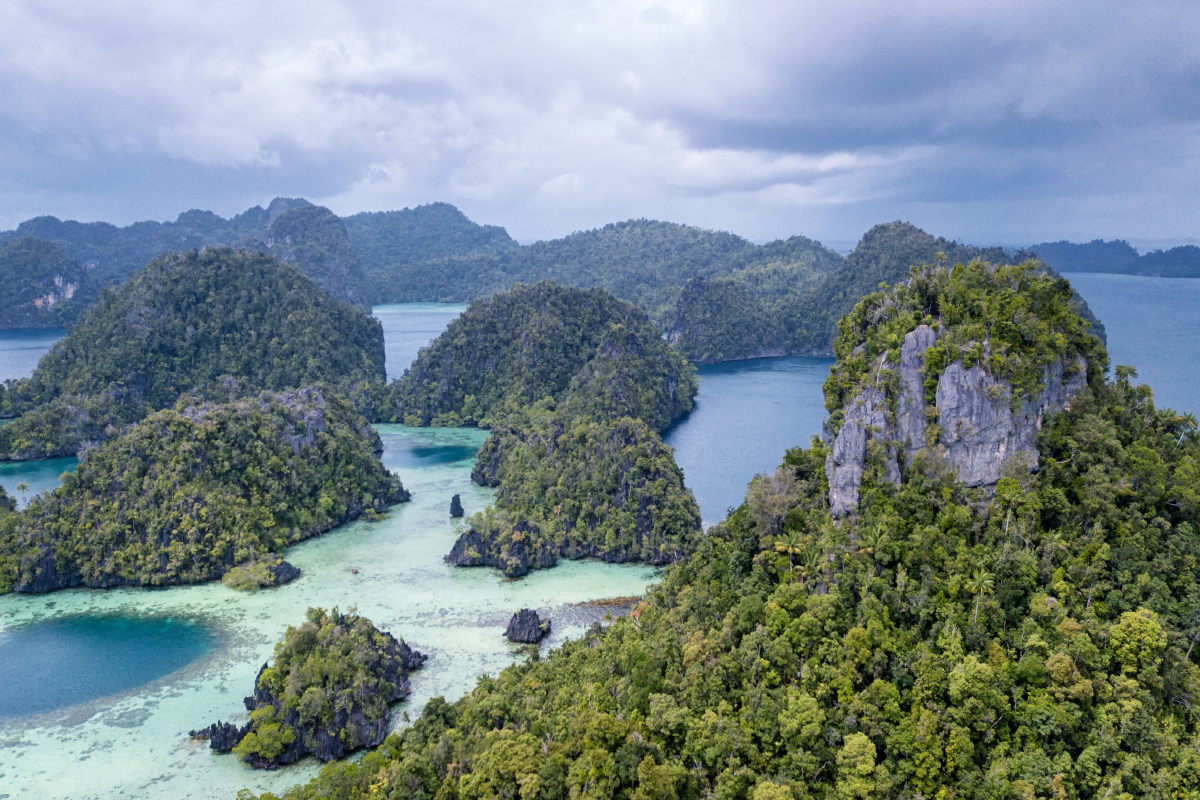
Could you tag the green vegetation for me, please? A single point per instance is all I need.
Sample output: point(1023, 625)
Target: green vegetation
point(576, 385)
point(642, 261)
point(270, 570)
point(188, 321)
point(885, 255)
point(1015, 320)
point(944, 642)
point(1119, 256)
point(389, 242)
point(327, 693)
point(43, 288)
point(527, 346)
point(190, 492)
point(314, 239)
point(721, 320)
point(7, 503)
point(576, 489)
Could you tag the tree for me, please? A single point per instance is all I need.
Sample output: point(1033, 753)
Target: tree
point(979, 584)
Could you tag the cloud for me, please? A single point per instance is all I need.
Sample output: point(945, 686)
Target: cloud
point(1005, 122)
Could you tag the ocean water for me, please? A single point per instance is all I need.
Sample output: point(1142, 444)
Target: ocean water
point(127, 736)
point(1153, 324)
point(21, 349)
point(747, 415)
point(38, 476)
point(407, 327)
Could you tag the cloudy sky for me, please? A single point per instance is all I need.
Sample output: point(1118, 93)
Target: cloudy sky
point(1011, 122)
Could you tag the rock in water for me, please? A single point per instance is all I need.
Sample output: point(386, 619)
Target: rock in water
point(527, 627)
point(456, 509)
point(222, 736)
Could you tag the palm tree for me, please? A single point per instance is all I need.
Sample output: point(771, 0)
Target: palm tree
point(22, 487)
point(791, 543)
point(979, 584)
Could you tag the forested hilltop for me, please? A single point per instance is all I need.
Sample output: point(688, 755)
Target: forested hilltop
point(189, 493)
point(43, 288)
point(1030, 637)
point(576, 386)
point(210, 320)
point(1118, 256)
point(331, 251)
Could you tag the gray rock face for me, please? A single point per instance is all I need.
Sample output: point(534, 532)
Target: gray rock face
point(979, 432)
point(527, 627)
point(865, 419)
point(910, 410)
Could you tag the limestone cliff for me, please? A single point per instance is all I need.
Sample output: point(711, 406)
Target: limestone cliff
point(990, 394)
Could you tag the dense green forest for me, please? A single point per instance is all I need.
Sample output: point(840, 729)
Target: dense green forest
point(507, 353)
point(192, 320)
point(1119, 256)
point(191, 492)
point(43, 288)
point(576, 386)
point(327, 692)
point(1031, 639)
point(386, 239)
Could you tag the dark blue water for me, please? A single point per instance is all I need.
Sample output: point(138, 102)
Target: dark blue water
point(61, 662)
point(21, 349)
point(1153, 324)
point(407, 327)
point(422, 456)
point(747, 415)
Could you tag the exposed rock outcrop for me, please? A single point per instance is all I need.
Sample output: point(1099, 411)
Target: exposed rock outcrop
point(978, 431)
point(527, 627)
point(222, 736)
point(456, 509)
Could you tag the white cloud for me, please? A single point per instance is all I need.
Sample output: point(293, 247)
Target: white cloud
point(548, 116)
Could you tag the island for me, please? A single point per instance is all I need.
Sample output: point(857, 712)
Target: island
point(905, 607)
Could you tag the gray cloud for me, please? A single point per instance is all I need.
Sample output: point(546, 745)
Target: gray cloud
point(1006, 122)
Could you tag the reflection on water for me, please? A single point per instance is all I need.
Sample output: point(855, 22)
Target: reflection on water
point(72, 659)
point(21, 349)
point(747, 415)
point(407, 327)
point(38, 477)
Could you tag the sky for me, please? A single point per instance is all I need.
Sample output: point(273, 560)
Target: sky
point(992, 123)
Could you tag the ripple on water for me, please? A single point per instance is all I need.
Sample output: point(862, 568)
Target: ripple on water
point(67, 660)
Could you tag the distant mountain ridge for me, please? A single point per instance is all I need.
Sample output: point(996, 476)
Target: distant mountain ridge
point(1119, 257)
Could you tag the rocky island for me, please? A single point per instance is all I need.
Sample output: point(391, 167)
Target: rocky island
point(190, 493)
point(576, 386)
point(327, 693)
point(188, 322)
point(942, 636)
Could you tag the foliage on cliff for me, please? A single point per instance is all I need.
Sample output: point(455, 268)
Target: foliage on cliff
point(190, 492)
point(314, 240)
point(327, 692)
point(1015, 320)
point(111, 254)
point(721, 320)
point(944, 643)
point(642, 261)
point(885, 255)
point(576, 487)
point(43, 288)
point(185, 321)
point(535, 344)
point(392, 244)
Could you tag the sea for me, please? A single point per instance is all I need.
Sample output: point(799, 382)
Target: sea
point(98, 689)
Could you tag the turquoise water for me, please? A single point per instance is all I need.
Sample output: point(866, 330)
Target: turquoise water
point(407, 327)
point(21, 349)
point(39, 476)
point(1153, 324)
point(133, 742)
point(747, 415)
point(73, 659)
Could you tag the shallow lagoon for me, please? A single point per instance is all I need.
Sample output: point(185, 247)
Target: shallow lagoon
point(136, 743)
